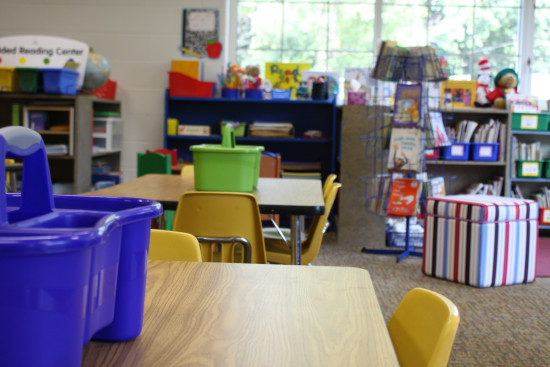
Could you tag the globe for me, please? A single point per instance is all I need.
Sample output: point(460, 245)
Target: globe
point(97, 71)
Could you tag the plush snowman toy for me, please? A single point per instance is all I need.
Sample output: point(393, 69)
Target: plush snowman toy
point(483, 81)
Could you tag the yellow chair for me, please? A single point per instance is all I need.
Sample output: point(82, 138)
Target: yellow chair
point(278, 249)
point(423, 328)
point(188, 170)
point(225, 218)
point(328, 183)
point(170, 245)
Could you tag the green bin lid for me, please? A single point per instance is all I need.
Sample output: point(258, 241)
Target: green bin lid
point(214, 148)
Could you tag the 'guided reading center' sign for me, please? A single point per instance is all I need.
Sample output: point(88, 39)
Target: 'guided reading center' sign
point(43, 52)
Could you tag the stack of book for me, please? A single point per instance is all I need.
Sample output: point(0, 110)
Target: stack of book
point(396, 63)
point(494, 187)
point(271, 129)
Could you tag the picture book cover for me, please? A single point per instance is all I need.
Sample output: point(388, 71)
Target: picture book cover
point(407, 108)
point(436, 187)
point(405, 150)
point(285, 75)
point(436, 134)
point(458, 93)
point(404, 196)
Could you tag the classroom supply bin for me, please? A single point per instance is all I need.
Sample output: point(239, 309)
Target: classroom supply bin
point(482, 241)
point(107, 134)
point(280, 94)
point(231, 93)
point(106, 91)
point(399, 239)
point(59, 80)
point(546, 169)
point(72, 268)
point(529, 169)
point(183, 86)
point(29, 79)
point(432, 154)
point(226, 167)
point(544, 216)
point(456, 152)
point(253, 94)
point(484, 151)
point(8, 79)
point(530, 121)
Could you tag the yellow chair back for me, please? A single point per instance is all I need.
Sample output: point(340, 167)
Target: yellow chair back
point(278, 251)
point(222, 214)
point(423, 328)
point(170, 245)
point(328, 184)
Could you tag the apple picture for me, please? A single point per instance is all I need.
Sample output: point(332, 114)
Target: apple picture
point(213, 48)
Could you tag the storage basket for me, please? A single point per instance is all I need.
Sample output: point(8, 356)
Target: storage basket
point(484, 151)
point(456, 152)
point(59, 80)
point(106, 91)
point(8, 79)
point(29, 79)
point(226, 167)
point(183, 86)
point(530, 121)
point(529, 169)
point(71, 267)
point(399, 239)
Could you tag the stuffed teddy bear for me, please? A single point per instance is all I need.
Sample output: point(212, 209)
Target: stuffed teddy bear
point(506, 81)
point(253, 80)
point(482, 86)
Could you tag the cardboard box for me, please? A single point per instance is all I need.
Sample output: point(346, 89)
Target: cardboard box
point(201, 130)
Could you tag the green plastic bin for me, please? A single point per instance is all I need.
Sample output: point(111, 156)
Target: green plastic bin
point(530, 121)
point(30, 80)
point(226, 167)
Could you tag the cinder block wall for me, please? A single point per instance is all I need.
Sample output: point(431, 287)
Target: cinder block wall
point(139, 38)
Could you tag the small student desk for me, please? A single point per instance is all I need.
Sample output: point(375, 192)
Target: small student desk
point(216, 314)
point(294, 197)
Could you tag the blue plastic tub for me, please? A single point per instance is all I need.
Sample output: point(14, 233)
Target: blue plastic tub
point(60, 80)
point(456, 152)
point(484, 151)
point(72, 268)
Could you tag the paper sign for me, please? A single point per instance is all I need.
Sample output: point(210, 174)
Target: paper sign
point(486, 151)
point(546, 215)
point(457, 150)
point(44, 52)
point(530, 169)
point(529, 122)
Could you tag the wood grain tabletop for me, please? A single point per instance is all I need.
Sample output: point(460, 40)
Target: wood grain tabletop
point(212, 314)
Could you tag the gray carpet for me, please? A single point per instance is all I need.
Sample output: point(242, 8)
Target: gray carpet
point(503, 326)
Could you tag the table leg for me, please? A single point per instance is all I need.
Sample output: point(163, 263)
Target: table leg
point(295, 240)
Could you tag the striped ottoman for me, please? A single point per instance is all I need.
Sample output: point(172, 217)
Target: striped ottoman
point(482, 241)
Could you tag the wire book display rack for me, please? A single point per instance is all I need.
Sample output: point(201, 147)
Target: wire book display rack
point(393, 72)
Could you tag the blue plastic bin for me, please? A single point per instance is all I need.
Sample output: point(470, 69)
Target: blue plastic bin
point(253, 93)
point(60, 80)
point(456, 152)
point(72, 268)
point(484, 151)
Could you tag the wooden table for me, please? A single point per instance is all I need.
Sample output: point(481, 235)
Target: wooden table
point(294, 197)
point(212, 314)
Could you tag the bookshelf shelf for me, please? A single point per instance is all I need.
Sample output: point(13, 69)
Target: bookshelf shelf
point(303, 114)
point(465, 163)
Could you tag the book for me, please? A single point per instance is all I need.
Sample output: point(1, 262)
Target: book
point(404, 196)
point(435, 187)
point(190, 68)
point(436, 136)
point(458, 93)
point(407, 110)
point(406, 149)
point(271, 129)
point(286, 76)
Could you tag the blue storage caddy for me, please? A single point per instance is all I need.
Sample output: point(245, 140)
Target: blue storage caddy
point(60, 80)
point(484, 151)
point(456, 152)
point(72, 268)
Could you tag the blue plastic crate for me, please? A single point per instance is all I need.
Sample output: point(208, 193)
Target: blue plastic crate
point(484, 151)
point(398, 239)
point(280, 94)
point(60, 80)
point(456, 152)
point(72, 268)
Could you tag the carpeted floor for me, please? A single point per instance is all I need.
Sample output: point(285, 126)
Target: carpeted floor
point(543, 258)
point(503, 326)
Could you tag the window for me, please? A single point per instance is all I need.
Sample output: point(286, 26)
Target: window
point(334, 34)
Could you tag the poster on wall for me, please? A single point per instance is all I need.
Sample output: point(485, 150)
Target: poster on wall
point(200, 32)
point(34, 51)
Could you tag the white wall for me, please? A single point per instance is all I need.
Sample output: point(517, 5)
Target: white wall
point(139, 38)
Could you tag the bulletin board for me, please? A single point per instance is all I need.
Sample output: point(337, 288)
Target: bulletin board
point(199, 26)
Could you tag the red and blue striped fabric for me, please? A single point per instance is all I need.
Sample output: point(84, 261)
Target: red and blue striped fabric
point(483, 241)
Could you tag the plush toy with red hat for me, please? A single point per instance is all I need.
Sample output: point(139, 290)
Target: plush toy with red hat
point(483, 80)
point(506, 81)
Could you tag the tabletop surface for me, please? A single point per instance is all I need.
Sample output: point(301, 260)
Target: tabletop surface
point(216, 314)
point(274, 195)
